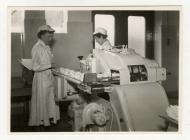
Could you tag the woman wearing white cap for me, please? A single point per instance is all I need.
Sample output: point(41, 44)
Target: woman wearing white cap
point(44, 110)
point(100, 36)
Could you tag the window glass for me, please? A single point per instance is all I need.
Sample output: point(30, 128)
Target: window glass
point(17, 21)
point(136, 34)
point(57, 20)
point(107, 22)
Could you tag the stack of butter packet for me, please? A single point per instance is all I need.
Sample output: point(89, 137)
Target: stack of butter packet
point(172, 112)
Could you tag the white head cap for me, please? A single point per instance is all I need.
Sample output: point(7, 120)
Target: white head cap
point(101, 31)
point(45, 28)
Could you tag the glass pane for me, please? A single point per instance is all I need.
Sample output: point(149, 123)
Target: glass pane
point(17, 21)
point(107, 22)
point(57, 20)
point(136, 34)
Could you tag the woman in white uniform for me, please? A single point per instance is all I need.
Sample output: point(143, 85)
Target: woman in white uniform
point(44, 110)
point(100, 35)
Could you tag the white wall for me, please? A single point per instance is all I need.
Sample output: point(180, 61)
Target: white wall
point(78, 41)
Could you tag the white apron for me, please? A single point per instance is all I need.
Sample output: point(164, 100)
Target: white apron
point(43, 105)
point(105, 46)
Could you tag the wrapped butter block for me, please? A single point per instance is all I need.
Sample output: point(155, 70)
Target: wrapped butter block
point(172, 112)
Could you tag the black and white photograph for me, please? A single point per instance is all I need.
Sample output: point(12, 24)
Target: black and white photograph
point(94, 69)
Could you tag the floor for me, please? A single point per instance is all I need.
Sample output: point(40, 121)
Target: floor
point(19, 112)
point(19, 123)
point(20, 97)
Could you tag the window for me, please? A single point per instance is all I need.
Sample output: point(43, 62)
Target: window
point(107, 22)
point(57, 20)
point(136, 34)
point(17, 21)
